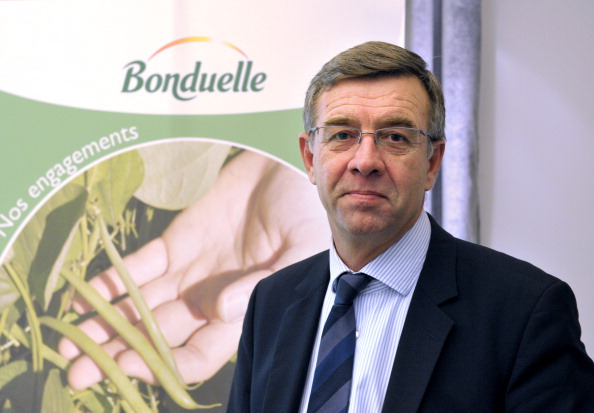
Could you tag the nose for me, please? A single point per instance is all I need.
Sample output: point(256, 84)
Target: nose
point(367, 158)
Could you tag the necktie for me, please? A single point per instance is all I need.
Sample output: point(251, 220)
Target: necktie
point(331, 387)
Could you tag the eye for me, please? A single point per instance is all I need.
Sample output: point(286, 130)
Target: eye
point(343, 135)
point(394, 137)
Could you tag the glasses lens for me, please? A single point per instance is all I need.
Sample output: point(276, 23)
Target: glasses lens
point(398, 140)
point(339, 138)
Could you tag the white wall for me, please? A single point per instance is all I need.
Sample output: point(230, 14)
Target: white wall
point(536, 123)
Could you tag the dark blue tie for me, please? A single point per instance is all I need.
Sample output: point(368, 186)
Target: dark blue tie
point(331, 387)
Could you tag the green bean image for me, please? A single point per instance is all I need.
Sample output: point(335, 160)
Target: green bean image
point(145, 312)
point(36, 338)
point(103, 360)
point(138, 342)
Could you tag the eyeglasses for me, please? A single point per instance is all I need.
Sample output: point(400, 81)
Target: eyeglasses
point(395, 140)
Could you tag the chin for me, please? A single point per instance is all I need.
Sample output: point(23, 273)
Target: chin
point(368, 227)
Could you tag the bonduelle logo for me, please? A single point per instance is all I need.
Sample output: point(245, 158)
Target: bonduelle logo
point(186, 86)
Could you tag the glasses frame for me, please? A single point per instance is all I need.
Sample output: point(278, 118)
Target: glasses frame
point(315, 129)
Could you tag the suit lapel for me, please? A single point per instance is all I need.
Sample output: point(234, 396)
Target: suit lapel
point(426, 327)
point(296, 337)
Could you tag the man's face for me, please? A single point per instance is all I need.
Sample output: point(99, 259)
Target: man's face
point(366, 191)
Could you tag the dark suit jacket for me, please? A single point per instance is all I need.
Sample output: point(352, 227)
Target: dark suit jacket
point(484, 333)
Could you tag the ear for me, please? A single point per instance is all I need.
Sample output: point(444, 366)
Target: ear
point(307, 156)
point(434, 163)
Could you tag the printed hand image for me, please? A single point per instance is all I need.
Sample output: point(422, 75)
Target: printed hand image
point(129, 286)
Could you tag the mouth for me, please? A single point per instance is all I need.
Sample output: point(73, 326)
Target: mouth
point(365, 195)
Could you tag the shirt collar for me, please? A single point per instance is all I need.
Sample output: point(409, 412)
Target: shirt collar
point(399, 266)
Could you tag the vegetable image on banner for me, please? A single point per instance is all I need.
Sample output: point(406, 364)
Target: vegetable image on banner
point(141, 268)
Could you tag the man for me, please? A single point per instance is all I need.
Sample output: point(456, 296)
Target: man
point(444, 325)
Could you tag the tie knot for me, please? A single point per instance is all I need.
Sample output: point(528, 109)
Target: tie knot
point(348, 286)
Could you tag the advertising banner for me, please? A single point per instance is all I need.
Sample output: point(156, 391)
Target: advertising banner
point(150, 177)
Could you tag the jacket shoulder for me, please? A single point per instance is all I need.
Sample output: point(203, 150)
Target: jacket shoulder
point(455, 267)
point(480, 259)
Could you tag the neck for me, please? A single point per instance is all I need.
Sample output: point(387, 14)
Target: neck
point(358, 251)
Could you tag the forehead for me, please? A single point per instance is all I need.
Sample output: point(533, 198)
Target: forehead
point(371, 101)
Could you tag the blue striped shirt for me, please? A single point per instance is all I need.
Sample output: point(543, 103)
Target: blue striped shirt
point(380, 310)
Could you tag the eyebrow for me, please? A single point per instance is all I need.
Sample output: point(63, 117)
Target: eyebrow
point(396, 121)
point(384, 123)
point(340, 121)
